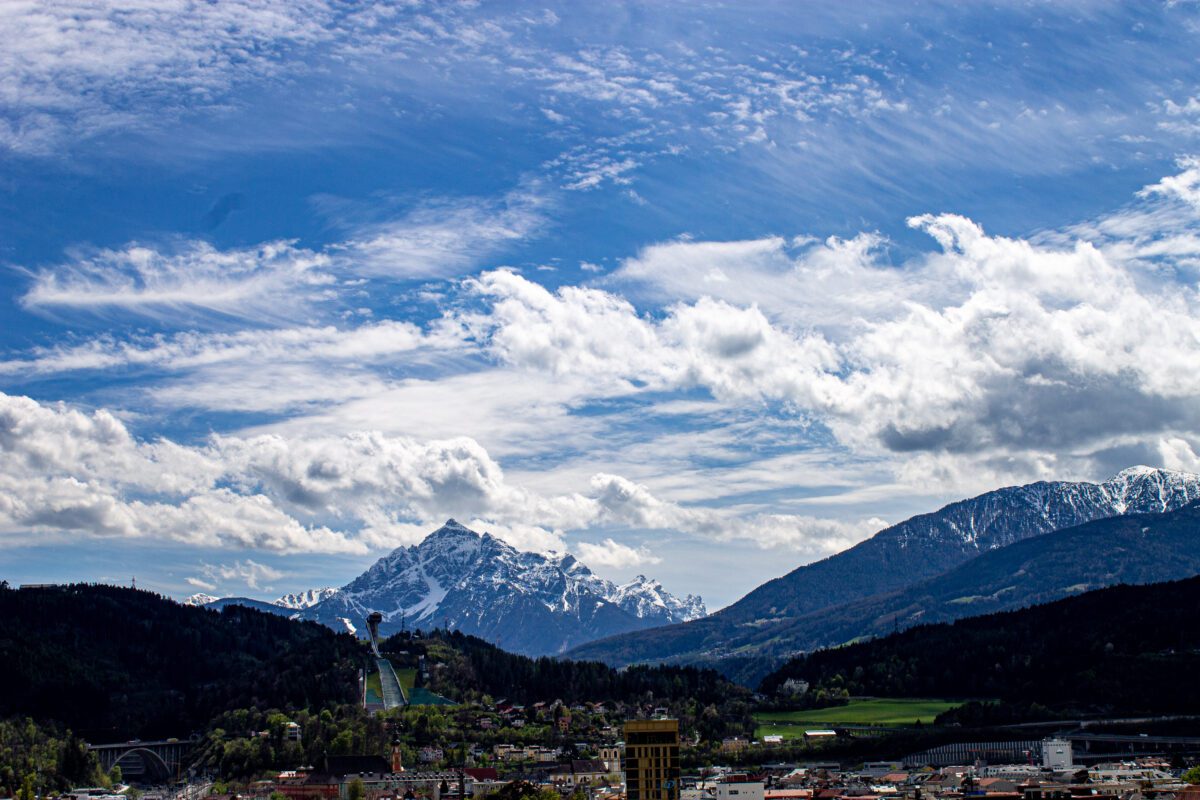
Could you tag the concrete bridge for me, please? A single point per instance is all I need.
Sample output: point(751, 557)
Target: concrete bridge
point(156, 762)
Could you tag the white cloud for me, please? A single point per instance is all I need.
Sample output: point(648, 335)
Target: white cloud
point(626, 503)
point(191, 350)
point(67, 472)
point(83, 67)
point(614, 555)
point(1184, 186)
point(994, 346)
point(247, 572)
point(734, 352)
point(445, 237)
point(191, 277)
point(188, 280)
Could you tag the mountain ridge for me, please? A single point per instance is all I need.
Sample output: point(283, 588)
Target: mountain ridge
point(919, 548)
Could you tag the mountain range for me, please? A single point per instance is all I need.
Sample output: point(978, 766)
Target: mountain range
point(951, 563)
point(528, 603)
point(293, 601)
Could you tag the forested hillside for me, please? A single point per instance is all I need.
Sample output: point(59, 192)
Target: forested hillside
point(1124, 649)
point(466, 667)
point(487, 668)
point(116, 663)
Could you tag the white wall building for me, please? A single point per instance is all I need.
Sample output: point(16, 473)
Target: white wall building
point(1057, 754)
point(739, 790)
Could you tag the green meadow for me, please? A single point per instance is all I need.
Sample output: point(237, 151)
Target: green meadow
point(876, 711)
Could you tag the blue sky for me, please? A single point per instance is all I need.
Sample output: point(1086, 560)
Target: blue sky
point(699, 290)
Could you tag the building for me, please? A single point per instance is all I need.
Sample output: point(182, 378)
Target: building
point(610, 754)
point(652, 759)
point(734, 744)
point(739, 787)
point(1057, 755)
point(339, 773)
point(579, 772)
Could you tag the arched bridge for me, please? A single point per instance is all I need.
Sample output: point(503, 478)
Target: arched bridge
point(157, 761)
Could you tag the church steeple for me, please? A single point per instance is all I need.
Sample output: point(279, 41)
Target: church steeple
point(397, 764)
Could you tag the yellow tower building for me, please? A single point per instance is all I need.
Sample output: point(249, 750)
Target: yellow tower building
point(652, 759)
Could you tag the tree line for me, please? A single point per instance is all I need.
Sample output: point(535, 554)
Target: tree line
point(1124, 649)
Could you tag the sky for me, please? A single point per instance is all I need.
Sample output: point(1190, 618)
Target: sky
point(703, 291)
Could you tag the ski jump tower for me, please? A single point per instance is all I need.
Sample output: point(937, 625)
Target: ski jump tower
point(389, 683)
point(373, 620)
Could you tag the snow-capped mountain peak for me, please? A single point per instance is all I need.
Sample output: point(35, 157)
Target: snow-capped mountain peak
point(529, 602)
point(305, 599)
point(199, 599)
point(1143, 489)
point(645, 597)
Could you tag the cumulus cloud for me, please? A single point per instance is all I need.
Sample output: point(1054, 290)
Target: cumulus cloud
point(69, 472)
point(613, 554)
point(631, 504)
point(66, 471)
point(998, 347)
point(734, 352)
point(1183, 186)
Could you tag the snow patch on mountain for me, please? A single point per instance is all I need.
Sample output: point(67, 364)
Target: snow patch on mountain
point(199, 599)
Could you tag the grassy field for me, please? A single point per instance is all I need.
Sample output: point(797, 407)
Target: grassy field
point(879, 711)
point(407, 677)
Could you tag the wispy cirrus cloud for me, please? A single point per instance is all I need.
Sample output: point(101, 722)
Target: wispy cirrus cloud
point(186, 280)
point(193, 350)
point(186, 277)
point(81, 68)
point(447, 236)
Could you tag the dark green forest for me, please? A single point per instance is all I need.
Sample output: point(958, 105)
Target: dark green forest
point(1123, 650)
point(113, 663)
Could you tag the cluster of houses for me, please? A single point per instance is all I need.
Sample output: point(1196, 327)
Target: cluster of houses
point(1049, 774)
point(341, 777)
point(1140, 779)
point(505, 714)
